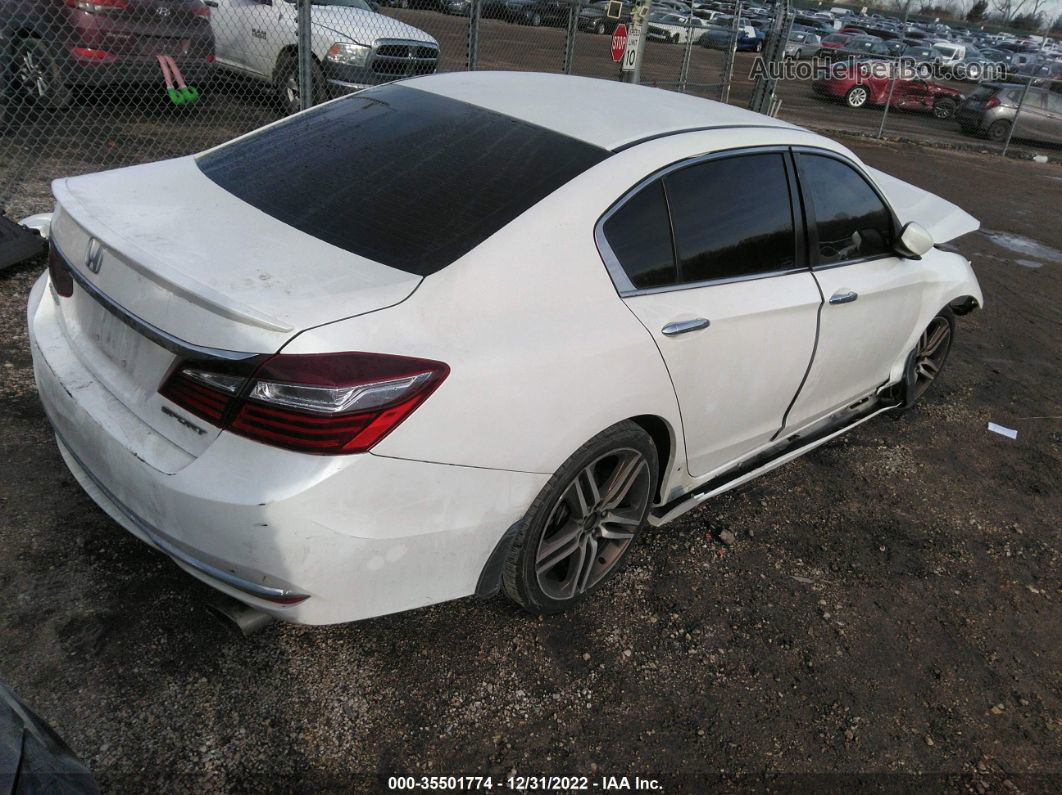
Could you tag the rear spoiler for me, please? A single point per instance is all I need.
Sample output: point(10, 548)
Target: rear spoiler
point(943, 220)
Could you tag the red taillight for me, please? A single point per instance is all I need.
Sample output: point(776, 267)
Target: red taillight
point(201, 11)
point(210, 58)
point(334, 403)
point(991, 102)
point(97, 6)
point(92, 55)
point(59, 272)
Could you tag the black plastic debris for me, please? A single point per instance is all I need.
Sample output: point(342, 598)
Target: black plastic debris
point(33, 758)
point(17, 243)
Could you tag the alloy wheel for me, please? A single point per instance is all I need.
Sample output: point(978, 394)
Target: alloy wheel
point(592, 523)
point(930, 354)
point(291, 91)
point(943, 109)
point(857, 97)
point(32, 75)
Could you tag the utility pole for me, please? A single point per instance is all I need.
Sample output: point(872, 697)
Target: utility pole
point(632, 58)
point(763, 98)
point(305, 55)
point(892, 80)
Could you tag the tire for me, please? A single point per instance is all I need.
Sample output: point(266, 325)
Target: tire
point(286, 83)
point(38, 76)
point(536, 20)
point(599, 28)
point(759, 47)
point(944, 108)
point(998, 130)
point(926, 362)
point(569, 515)
point(856, 97)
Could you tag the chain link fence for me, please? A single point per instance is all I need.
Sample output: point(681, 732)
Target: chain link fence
point(87, 85)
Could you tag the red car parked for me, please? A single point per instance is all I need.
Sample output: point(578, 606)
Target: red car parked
point(859, 85)
point(49, 46)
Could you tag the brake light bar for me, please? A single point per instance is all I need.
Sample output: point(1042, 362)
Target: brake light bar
point(98, 6)
point(330, 404)
point(59, 273)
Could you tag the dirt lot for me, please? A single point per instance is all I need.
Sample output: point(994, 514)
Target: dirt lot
point(888, 615)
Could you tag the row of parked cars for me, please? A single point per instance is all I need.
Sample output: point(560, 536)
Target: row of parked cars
point(989, 111)
point(49, 48)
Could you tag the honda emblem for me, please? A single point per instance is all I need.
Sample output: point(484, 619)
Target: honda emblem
point(94, 260)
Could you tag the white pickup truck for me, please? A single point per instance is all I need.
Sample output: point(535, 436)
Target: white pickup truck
point(353, 45)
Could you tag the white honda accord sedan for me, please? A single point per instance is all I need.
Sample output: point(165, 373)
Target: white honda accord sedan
point(473, 331)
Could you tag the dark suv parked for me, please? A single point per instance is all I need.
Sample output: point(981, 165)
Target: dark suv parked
point(49, 46)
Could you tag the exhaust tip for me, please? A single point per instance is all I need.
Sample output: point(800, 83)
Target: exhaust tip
point(234, 613)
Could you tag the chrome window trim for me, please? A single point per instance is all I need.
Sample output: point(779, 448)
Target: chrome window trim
point(619, 276)
point(161, 338)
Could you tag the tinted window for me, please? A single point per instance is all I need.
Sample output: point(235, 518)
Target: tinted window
point(1054, 102)
point(852, 222)
point(732, 217)
point(400, 176)
point(640, 236)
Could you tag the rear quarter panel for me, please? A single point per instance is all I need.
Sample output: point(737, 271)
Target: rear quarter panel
point(543, 352)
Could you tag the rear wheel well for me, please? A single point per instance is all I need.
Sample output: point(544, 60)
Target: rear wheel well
point(660, 432)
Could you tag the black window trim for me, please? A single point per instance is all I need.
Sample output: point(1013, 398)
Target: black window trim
point(811, 224)
point(621, 281)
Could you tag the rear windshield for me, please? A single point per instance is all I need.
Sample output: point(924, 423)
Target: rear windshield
point(400, 176)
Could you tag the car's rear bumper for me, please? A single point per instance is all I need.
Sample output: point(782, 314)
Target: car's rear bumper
point(134, 71)
point(359, 536)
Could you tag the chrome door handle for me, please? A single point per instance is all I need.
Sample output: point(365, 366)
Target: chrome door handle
point(683, 326)
point(844, 297)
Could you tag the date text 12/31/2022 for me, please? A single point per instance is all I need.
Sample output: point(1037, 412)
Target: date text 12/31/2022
point(523, 783)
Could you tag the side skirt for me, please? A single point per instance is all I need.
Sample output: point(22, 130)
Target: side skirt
point(785, 451)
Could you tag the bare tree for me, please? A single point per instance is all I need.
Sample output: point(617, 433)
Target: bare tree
point(1007, 9)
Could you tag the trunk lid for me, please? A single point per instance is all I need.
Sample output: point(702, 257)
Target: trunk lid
point(182, 255)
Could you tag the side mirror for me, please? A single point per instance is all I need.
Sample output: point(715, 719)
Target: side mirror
point(913, 241)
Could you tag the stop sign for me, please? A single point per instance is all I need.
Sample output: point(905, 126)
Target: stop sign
point(619, 42)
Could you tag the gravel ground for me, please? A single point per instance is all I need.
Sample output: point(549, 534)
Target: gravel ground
point(882, 614)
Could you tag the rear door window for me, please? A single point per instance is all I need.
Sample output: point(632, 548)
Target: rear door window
point(639, 235)
point(732, 217)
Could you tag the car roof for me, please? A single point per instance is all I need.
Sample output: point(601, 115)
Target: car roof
point(606, 113)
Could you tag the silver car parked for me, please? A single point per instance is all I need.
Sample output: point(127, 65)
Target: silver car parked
point(991, 110)
point(802, 44)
